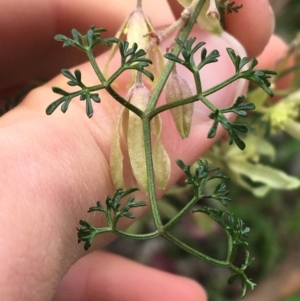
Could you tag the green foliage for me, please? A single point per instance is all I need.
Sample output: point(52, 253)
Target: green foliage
point(237, 233)
point(188, 52)
point(201, 176)
point(86, 42)
point(133, 58)
point(260, 77)
point(64, 101)
point(239, 107)
point(113, 212)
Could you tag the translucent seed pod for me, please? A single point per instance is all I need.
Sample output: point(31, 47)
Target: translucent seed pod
point(176, 89)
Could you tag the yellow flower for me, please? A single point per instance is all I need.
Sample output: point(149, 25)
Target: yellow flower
point(131, 126)
point(283, 115)
point(209, 18)
point(137, 28)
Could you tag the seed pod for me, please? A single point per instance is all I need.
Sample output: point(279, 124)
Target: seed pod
point(161, 160)
point(131, 126)
point(137, 28)
point(139, 96)
point(176, 89)
point(116, 155)
point(209, 16)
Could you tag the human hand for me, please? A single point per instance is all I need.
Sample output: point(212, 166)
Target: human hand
point(53, 168)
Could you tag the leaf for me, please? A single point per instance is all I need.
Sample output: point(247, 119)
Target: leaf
point(95, 97)
point(78, 75)
point(54, 105)
point(88, 106)
point(75, 35)
point(213, 129)
point(238, 141)
point(60, 91)
point(267, 177)
point(174, 58)
point(211, 58)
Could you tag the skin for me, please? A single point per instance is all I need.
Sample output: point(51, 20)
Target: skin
point(54, 168)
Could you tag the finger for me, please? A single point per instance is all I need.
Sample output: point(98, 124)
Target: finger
point(104, 276)
point(253, 25)
point(28, 29)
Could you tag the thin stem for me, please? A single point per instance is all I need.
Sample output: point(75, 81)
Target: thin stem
point(109, 89)
point(197, 82)
point(221, 85)
point(124, 102)
point(136, 236)
point(196, 253)
point(150, 173)
point(181, 213)
point(198, 194)
point(209, 104)
point(95, 66)
point(171, 105)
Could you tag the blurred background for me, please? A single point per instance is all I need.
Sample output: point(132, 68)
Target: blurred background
point(274, 220)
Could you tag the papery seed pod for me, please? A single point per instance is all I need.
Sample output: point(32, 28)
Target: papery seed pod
point(139, 96)
point(116, 155)
point(208, 18)
point(176, 89)
point(137, 28)
point(161, 160)
point(131, 126)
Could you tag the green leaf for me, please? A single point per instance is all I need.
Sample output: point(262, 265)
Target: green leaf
point(63, 100)
point(132, 58)
point(60, 91)
point(213, 130)
point(75, 35)
point(99, 207)
point(238, 141)
point(85, 42)
point(174, 58)
point(211, 58)
point(86, 233)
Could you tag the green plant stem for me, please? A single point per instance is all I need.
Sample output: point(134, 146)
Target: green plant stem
point(109, 89)
point(182, 212)
point(194, 252)
point(95, 66)
point(197, 82)
point(124, 102)
point(209, 104)
point(167, 70)
point(136, 236)
point(171, 105)
point(150, 173)
point(198, 194)
point(222, 85)
point(146, 120)
point(200, 96)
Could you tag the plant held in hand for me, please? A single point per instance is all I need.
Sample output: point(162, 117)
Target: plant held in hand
point(140, 125)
